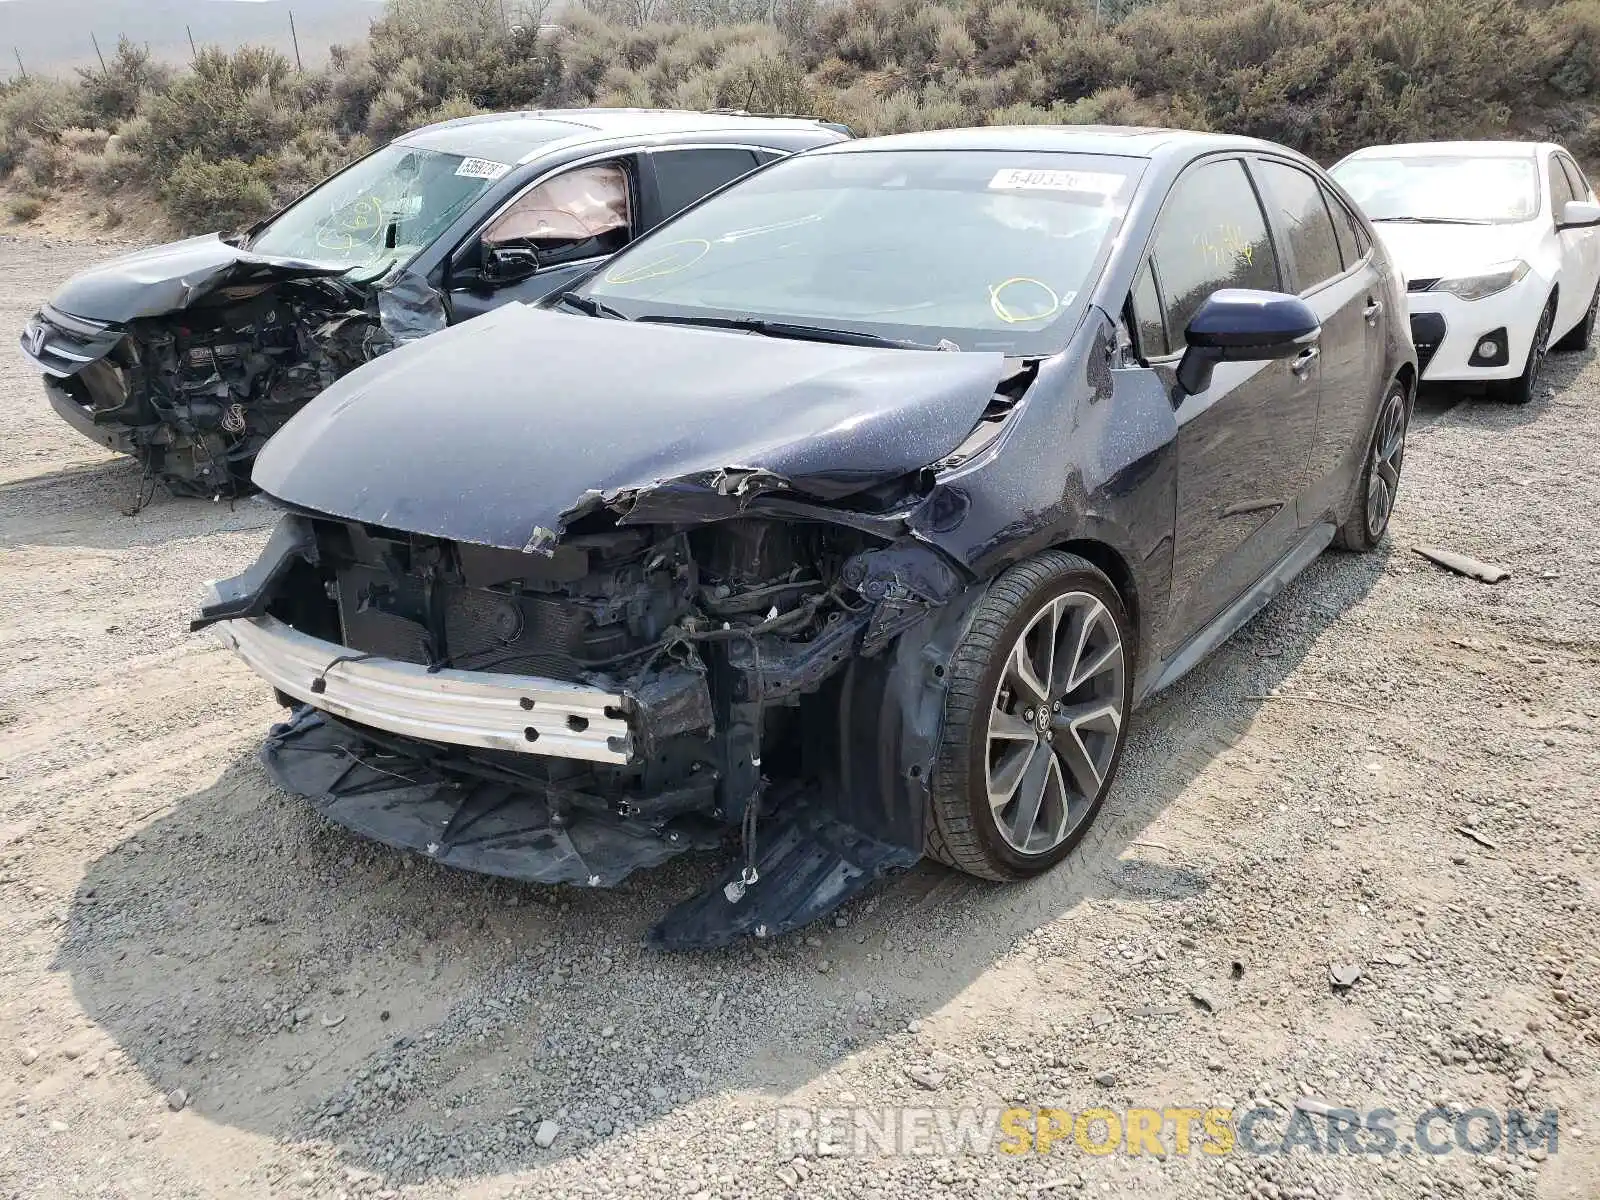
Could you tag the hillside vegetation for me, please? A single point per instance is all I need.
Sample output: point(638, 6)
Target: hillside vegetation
point(225, 140)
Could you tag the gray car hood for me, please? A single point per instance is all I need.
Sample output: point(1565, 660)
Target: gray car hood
point(499, 430)
point(166, 278)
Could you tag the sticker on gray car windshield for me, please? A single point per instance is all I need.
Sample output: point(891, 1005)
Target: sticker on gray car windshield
point(482, 168)
point(1099, 183)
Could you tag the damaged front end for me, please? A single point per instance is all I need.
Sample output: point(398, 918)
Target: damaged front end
point(633, 692)
point(194, 391)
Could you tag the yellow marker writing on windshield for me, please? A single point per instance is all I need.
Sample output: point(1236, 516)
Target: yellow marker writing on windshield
point(1010, 315)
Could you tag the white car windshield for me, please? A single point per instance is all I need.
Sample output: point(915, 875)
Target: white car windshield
point(963, 250)
point(382, 210)
point(1447, 189)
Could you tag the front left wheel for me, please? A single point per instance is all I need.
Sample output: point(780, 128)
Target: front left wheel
point(1034, 721)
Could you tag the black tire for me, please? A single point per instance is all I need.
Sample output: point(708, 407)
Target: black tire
point(1368, 519)
point(1521, 389)
point(964, 830)
point(1580, 335)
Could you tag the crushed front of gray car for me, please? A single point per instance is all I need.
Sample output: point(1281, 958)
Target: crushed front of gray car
point(217, 350)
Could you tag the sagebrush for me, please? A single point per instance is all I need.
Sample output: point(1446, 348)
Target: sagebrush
point(225, 140)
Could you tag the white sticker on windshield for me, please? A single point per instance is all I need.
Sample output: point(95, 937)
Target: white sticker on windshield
point(1098, 183)
point(482, 168)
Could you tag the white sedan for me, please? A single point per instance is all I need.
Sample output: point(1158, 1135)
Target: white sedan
point(1497, 243)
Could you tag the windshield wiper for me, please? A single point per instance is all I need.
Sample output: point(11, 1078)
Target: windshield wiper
point(787, 329)
point(590, 307)
point(1434, 220)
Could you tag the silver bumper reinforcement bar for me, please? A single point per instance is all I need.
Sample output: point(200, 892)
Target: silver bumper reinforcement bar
point(522, 713)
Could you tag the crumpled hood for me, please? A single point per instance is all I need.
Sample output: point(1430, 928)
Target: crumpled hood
point(497, 429)
point(1451, 251)
point(165, 278)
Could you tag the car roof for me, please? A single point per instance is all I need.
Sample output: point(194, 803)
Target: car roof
point(513, 136)
point(1126, 140)
point(1498, 149)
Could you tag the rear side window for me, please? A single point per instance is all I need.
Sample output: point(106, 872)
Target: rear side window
point(1212, 235)
point(684, 176)
point(1352, 242)
point(1297, 197)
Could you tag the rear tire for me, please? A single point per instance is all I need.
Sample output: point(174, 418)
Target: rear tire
point(1521, 389)
point(1034, 719)
point(1579, 337)
point(1368, 519)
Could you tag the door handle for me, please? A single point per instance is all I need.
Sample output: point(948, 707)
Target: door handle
point(1373, 310)
point(1304, 361)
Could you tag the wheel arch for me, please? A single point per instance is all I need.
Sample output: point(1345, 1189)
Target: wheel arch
point(1117, 569)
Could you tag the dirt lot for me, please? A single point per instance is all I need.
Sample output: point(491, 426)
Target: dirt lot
point(207, 991)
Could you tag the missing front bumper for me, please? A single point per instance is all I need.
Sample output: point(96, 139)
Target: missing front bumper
point(482, 709)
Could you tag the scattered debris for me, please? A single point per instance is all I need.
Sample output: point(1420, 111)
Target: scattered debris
point(332, 1020)
point(1467, 831)
point(1158, 1010)
point(545, 1135)
point(1345, 975)
point(926, 1078)
point(1203, 1000)
point(177, 1099)
point(1236, 969)
point(1461, 564)
point(1317, 1108)
point(1106, 1079)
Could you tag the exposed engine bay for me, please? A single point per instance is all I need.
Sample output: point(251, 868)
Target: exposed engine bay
point(195, 384)
point(198, 392)
point(726, 650)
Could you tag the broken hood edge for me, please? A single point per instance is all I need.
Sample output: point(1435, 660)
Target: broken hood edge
point(502, 430)
point(171, 277)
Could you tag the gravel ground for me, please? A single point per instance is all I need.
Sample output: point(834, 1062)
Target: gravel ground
point(205, 990)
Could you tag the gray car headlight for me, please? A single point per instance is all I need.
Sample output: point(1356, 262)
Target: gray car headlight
point(1475, 287)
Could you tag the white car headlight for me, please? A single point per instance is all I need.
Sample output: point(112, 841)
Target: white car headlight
point(1486, 283)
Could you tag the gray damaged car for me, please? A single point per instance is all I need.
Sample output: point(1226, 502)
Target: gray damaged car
point(190, 355)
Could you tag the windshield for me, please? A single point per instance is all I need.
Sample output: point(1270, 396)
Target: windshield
point(1443, 188)
point(382, 210)
point(978, 250)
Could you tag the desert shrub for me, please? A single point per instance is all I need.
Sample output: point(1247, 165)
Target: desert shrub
point(25, 208)
point(229, 106)
point(35, 112)
point(201, 195)
point(113, 94)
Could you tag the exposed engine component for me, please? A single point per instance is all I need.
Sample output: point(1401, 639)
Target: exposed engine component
point(204, 389)
point(717, 644)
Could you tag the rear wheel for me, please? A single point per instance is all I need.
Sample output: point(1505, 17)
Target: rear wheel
point(1368, 520)
point(1034, 719)
point(1520, 390)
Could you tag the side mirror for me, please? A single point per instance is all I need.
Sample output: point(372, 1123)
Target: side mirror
point(1240, 325)
point(508, 263)
point(1578, 214)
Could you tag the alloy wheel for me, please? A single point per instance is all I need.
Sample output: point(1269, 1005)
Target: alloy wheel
point(1055, 722)
point(1388, 456)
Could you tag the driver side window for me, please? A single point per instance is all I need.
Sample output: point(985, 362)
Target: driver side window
point(585, 213)
point(1212, 234)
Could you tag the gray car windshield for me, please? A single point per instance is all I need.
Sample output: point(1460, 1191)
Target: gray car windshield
point(1469, 189)
point(960, 250)
point(382, 210)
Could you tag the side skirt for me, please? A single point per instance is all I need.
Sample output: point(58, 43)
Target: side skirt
point(1231, 619)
